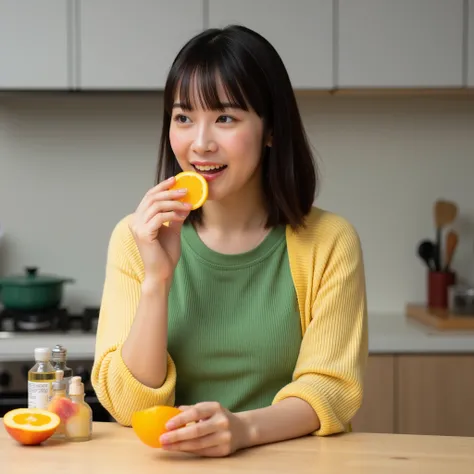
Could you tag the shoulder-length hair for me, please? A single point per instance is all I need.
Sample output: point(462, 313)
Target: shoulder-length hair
point(253, 77)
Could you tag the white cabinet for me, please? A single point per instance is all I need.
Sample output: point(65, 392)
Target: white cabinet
point(301, 32)
point(131, 44)
point(34, 44)
point(470, 45)
point(400, 43)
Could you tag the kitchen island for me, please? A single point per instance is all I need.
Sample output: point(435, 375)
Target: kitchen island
point(116, 449)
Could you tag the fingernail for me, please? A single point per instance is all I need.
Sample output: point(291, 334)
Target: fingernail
point(180, 214)
point(187, 205)
point(169, 426)
point(182, 191)
point(164, 439)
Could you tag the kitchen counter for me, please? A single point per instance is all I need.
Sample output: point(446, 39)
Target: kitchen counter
point(116, 449)
point(388, 333)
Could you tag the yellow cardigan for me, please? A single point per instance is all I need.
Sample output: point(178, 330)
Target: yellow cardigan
point(327, 267)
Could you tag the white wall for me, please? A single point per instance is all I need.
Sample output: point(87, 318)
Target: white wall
point(71, 166)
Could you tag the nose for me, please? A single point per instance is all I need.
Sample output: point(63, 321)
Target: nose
point(203, 141)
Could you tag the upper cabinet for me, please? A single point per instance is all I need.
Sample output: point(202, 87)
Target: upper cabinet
point(400, 43)
point(131, 44)
point(470, 45)
point(34, 44)
point(301, 32)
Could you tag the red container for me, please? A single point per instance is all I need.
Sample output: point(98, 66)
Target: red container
point(438, 285)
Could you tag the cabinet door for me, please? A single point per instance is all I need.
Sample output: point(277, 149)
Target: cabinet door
point(301, 32)
point(131, 44)
point(376, 414)
point(400, 43)
point(34, 44)
point(470, 45)
point(436, 394)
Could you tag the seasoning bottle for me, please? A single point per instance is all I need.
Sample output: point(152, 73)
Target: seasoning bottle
point(40, 379)
point(60, 404)
point(58, 361)
point(78, 427)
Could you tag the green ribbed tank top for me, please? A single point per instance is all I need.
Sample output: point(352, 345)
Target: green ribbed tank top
point(234, 327)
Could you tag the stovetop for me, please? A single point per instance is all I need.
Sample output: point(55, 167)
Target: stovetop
point(55, 320)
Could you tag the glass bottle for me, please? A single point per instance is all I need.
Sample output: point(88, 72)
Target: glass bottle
point(78, 427)
point(60, 404)
point(58, 361)
point(40, 379)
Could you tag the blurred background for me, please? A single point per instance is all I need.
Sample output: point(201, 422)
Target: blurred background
point(385, 89)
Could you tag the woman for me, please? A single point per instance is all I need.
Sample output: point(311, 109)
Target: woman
point(249, 313)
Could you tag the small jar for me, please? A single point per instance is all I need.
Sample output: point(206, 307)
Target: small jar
point(461, 300)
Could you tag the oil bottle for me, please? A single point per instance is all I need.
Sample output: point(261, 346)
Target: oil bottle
point(40, 379)
point(58, 361)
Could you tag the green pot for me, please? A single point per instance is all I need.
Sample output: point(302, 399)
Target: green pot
point(32, 291)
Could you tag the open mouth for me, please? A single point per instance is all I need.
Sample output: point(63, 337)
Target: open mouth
point(211, 169)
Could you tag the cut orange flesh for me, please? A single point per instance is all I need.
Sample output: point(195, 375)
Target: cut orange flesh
point(30, 426)
point(195, 184)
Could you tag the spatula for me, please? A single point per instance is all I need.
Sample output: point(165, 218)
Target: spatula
point(451, 244)
point(444, 213)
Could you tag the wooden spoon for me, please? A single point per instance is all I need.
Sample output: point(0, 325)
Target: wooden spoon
point(444, 212)
point(451, 244)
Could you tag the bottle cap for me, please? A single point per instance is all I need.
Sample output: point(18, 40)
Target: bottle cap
point(59, 383)
point(42, 354)
point(76, 387)
point(59, 353)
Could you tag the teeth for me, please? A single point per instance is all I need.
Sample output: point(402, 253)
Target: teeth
point(208, 168)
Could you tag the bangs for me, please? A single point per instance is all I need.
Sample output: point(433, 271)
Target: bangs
point(211, 81)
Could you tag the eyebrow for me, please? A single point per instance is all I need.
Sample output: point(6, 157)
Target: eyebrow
point(224, 105)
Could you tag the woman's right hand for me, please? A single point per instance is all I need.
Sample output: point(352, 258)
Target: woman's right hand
point(159, 245)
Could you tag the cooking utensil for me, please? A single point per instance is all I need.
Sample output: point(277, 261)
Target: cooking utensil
point(32, 291)
point(426, 251)
point(444, 212)
point(451, 244)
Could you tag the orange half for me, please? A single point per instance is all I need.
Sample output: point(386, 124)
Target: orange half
point(30, 426)
point(195, 184)
point(149, 424)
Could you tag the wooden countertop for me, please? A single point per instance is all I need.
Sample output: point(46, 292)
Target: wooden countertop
point(116, 449)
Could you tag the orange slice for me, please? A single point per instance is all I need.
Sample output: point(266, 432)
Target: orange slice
point(30, 426)
point(195, 184)
point(149, 424)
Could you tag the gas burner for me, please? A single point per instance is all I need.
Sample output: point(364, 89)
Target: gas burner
point(48, 320)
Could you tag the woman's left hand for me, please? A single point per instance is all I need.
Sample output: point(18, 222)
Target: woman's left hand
point(216, 432)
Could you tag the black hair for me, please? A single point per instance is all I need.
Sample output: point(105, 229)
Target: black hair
point(253, 75)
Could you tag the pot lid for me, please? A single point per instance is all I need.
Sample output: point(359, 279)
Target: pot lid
point(31, 277)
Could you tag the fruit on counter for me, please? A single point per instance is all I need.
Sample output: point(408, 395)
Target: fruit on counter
point(149, 424)
point(64, 408)
point(195, 184)
point(30, 426)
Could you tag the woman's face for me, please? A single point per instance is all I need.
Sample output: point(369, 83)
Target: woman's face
point(223, 146)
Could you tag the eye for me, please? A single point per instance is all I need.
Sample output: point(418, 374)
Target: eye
point(180, 118)
point(225, 119)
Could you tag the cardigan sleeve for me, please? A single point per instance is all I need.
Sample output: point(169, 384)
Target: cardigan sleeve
point(115, 386)
point(331, 364)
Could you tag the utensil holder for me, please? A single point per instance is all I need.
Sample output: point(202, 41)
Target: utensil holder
point(438, 286)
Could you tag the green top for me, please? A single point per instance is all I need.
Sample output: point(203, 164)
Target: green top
point(234, 326)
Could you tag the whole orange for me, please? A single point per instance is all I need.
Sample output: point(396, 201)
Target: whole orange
point(149, 424)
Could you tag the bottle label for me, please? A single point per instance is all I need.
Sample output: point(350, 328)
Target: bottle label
point(39, 394)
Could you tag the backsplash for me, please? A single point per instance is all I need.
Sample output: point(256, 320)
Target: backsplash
point(72, 166)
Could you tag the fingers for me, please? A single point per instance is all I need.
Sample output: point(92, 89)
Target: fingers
point(196, 413)
point(212, 440)
point(165, 207)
